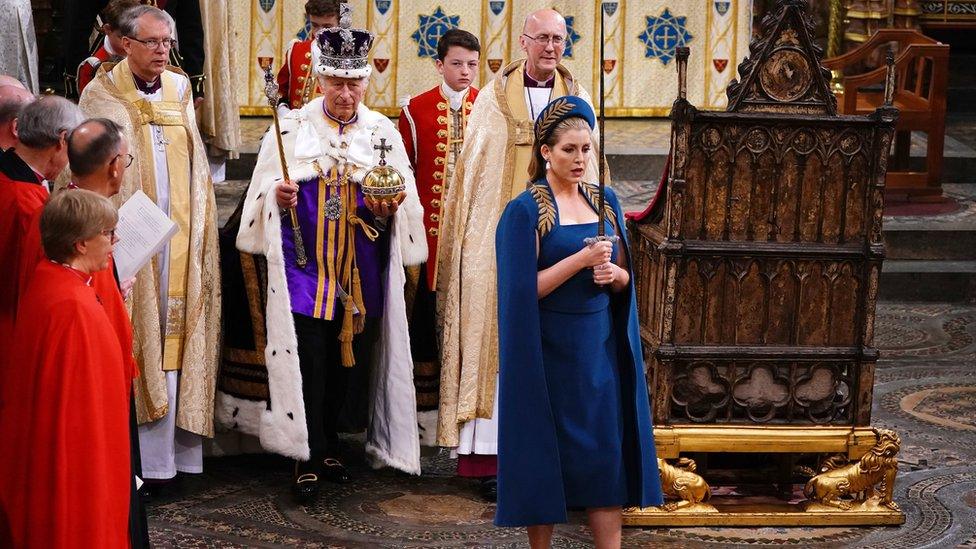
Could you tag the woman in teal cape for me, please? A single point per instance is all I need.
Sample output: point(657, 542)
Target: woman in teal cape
point(574, 419)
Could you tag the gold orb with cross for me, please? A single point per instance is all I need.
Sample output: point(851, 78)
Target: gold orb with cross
point(384, 182)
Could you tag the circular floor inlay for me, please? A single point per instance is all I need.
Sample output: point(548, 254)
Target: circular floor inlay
point(952, 407)
point(891, 335)
point(435, 509)
point(768, 535)
point(970, 499)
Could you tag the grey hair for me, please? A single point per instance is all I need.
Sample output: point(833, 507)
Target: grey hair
point(129, 20)
point(42, 122)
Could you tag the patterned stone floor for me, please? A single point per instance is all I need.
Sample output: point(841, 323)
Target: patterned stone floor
point(926, 391)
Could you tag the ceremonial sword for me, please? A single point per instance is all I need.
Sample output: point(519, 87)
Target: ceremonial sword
point(601, 234)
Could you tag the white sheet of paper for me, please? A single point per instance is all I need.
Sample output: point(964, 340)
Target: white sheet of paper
point(143, 230)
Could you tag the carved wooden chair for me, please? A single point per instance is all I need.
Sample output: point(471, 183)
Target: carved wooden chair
point(921, 82)
point(757, 264)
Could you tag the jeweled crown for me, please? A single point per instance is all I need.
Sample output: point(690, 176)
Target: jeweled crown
point(343, 50)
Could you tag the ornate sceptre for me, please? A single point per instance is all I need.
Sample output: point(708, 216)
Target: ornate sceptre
point(601, 234)
point(271, 90)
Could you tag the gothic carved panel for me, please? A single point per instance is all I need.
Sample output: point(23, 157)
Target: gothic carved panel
point(782, 72)
point(762, 392)
point(766, 301)
point(777, 183)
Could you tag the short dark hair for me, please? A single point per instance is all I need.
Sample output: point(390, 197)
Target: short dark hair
point(113, 11)
point(87, 158)
point(457, 37)
point(322, 8)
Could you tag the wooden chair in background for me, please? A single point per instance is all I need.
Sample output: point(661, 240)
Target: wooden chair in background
point(921, 81)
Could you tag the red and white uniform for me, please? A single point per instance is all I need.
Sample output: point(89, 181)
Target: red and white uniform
point(433, 130)
point(295, 73)
point(88, 67)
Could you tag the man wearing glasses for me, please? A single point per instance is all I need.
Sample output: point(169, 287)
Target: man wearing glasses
point(175, 301)
point(492, 169)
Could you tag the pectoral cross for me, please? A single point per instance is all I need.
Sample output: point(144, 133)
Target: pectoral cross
point(383, 148)
point(161, 140)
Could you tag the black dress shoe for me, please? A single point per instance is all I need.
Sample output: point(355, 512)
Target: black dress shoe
point(489, 489)
point(305, 488)
point(334, 471)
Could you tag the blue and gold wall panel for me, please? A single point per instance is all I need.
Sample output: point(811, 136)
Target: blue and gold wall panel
point(640, 36)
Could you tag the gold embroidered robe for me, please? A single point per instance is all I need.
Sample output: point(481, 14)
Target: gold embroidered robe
point(492, 169)
point(199, 326)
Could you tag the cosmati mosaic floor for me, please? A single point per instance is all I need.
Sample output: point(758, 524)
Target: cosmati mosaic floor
point(925, 390)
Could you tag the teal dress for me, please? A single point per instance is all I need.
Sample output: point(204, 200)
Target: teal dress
point(574, 418)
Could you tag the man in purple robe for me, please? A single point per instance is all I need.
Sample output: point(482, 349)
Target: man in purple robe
point(337, 323)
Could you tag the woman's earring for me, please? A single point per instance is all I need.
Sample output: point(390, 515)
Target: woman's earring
point(548, 166)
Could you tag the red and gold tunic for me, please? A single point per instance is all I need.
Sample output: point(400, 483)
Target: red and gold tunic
point(432, 134)
point(296, 78)
point(88, 67)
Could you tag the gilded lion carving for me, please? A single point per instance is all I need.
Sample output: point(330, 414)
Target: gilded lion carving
point(857, 481)
point(680, 481)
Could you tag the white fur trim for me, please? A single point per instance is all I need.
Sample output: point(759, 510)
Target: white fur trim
point(392, 438)
point(427, 425)
point(343, 73)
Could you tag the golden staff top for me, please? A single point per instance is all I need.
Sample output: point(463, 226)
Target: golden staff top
point(271, 90)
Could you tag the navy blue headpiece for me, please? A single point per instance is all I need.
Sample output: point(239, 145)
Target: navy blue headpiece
point(560, 109)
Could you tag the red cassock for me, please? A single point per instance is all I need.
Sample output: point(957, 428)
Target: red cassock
point(426, 127)
point(295, 73)
point(104, 283)
point(64, 420)
point(19, 204)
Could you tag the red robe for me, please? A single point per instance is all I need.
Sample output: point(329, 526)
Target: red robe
point(64, 419)
point(20, 203)
point(103, 282)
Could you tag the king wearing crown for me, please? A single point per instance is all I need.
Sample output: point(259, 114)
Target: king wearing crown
point(337, 351)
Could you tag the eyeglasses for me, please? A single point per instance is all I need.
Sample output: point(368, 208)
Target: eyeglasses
point(110, 233)
point(129, 159)
point(544, 39)
point(153, 43)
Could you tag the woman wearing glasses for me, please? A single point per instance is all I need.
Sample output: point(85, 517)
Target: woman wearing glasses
point(575, 426)
point(65, 471)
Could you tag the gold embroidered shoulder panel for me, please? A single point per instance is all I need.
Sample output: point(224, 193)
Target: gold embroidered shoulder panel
point(547, 207)
point(592, 193)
